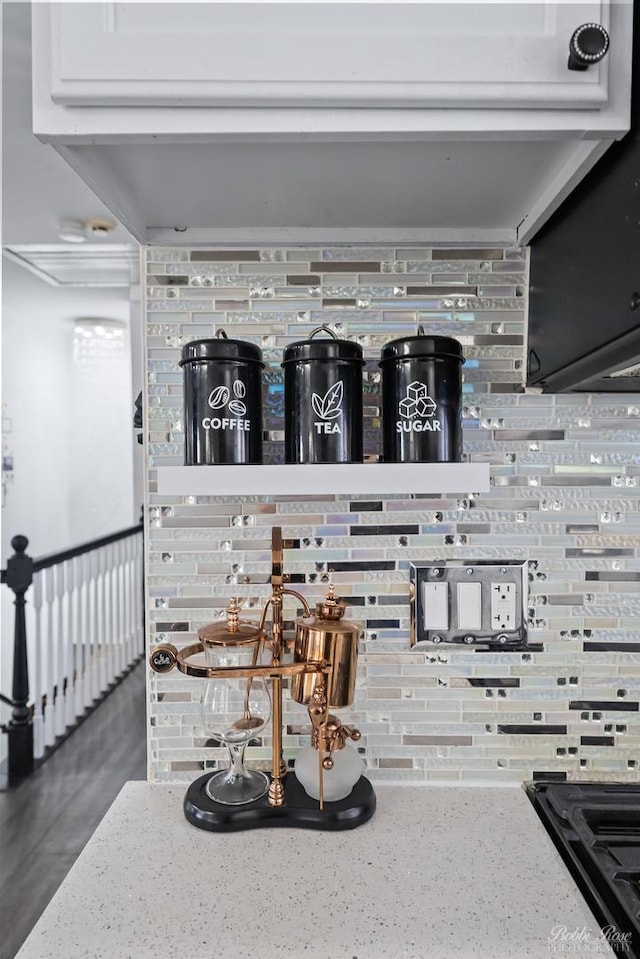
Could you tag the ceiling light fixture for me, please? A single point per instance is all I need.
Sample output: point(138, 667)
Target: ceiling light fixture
point(72, 231)
point(79, 231)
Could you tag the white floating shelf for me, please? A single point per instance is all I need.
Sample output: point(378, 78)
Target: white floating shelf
point(310, 480)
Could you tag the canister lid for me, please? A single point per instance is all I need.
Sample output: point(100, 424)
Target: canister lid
point(330, 607)
point(221, 349)
point(218, 634)
point(331, 348)
point(422, 347)
point(231, 632)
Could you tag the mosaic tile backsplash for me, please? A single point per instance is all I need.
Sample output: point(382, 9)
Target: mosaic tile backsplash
point(565, 475)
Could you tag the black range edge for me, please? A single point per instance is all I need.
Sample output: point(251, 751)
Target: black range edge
point(566, 810)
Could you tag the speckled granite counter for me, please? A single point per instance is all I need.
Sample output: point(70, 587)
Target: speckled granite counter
point(443, 873)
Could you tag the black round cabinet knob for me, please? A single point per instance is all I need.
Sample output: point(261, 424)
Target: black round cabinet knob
point(588, 45)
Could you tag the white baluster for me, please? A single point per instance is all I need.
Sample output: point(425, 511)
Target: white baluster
point(128, 600)
point(102, 574)
point(106, 626)
point(133, 573)
point(69, 598)
point(87, 691)
point(110, 618)
point(60, 658)
point(76, 637)
point(49, 724)
point(126, 605)
point(138, 597)
point(120, 610)
point(118, 638)
point(95, 627)
point(99, 624)
point(38, 669)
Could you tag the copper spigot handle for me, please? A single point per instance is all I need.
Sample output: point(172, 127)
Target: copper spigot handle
point(352, 733)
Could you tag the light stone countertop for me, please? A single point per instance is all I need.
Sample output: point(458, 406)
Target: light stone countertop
point(439, 873)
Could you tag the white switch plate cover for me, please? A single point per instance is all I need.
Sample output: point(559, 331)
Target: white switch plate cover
point(477, 602)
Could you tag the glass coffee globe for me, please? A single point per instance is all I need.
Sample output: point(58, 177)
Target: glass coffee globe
point(234, 711)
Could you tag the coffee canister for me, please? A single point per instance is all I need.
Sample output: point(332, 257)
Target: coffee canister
point(222, 401)
point(323, 400)
point(421, 399)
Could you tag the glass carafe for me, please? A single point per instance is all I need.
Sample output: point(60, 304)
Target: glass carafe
point(234, 711)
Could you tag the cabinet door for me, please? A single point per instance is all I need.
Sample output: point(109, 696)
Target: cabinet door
point(584, 304)
point(324, 54)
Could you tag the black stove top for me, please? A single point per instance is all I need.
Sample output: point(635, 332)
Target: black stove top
point(596, 828)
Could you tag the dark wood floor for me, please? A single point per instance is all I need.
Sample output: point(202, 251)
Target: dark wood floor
point(46, 821)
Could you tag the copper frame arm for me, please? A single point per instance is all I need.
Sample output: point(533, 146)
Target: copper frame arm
point(238, 672)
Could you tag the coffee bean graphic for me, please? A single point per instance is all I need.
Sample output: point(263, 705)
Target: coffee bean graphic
point(218, 397)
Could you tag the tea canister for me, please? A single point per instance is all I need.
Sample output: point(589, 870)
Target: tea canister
point(222, 401)
point(323, 400)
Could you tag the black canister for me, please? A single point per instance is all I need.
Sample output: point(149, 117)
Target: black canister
point(421, 400)
point(222, 401)
point(323, 400)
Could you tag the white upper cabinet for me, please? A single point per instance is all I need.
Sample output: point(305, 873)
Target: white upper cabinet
point(329, 122)
point(326, 54)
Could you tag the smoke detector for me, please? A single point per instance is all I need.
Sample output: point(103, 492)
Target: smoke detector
point(79, 231)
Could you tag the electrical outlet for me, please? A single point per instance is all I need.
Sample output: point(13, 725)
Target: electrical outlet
point(503, 606)
point(476, 603)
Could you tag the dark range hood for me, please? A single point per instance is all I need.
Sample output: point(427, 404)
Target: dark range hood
point(611, 367)
point(584, 307)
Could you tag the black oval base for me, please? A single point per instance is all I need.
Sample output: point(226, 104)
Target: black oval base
point(299, 810)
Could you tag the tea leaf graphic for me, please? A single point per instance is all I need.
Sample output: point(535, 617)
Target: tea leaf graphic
point(218, 397)
point(332, 402)
point(316, 402)
point(239, 389)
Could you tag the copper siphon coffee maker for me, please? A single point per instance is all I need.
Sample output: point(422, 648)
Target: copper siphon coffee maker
point(327, 790)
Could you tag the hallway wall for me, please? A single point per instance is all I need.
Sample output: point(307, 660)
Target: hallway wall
point(67, 409)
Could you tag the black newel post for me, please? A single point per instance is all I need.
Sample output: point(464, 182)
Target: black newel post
point(18, 577)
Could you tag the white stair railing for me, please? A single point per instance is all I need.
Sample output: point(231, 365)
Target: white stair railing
point(84, 630)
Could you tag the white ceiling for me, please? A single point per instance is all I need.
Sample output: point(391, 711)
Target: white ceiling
point(38, 188)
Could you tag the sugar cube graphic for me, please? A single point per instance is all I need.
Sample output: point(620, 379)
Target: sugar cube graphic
point(408, 408)
point(416, 390)
point(425, 406)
